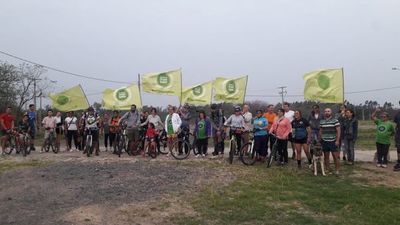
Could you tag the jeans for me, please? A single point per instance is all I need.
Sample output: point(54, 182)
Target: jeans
point(348, 147)
point(382, 152)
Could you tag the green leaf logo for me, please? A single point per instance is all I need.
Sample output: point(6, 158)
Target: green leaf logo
point(62, 99)
point(324, 82)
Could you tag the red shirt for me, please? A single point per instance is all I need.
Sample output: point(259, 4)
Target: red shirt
point(151, 132)
point(7, 120)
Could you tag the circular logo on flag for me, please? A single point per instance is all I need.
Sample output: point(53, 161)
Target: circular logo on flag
point(230, 87)
point(198, 90)
point(163, 79)
point(62, 99)
point(122, 94)
point(324, 82)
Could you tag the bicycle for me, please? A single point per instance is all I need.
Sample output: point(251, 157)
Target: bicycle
point(89, 142)
point(11, 143)
point(248, 155)
point(182, 147)
point(49, 142)
point(233, 148)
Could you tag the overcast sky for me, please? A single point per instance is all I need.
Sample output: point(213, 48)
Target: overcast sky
point(273, 41)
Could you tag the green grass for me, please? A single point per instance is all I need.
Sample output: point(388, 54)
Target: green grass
point(6, 165)
point(287, 196)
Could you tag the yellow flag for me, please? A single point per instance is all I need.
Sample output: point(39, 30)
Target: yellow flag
point(70, 100)
point(122, 98)
point(198, 95)
point(324, 86)
point(230, 90)
point(164, 83)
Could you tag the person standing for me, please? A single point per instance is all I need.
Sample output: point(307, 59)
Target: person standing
point(397, 139)
point(172, 125)
point(350, 133)
point(71, 128)
point(270, 115)
point(6, 126)
point(105, 127)
point(301, 137)
point(132, 125)
point(261, 135)
point(202, 132)
point(281, 129)
point(289, 114)
point(384, 132)
point(218, 120)
point(329, 134)
point(32, 116)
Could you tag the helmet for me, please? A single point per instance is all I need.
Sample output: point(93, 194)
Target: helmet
point(237, 108)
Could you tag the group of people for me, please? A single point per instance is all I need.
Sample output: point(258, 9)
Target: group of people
point(336, 132)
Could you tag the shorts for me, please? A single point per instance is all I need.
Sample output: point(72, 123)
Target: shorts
point(300, 141)
point(329, 146)
point(133, 133)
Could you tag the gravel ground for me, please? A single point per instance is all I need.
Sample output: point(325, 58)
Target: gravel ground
point(44, 195)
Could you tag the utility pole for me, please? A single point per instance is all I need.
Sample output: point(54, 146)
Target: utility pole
point(282, 92)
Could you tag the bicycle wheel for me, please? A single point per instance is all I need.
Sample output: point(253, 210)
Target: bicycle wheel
point(152, 151)
point(178, 149)
point(248, 154)
point(231, 152)
point(272, 155)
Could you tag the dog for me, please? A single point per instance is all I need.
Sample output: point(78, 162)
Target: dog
point(318, 157)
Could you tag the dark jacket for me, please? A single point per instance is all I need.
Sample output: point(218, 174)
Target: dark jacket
point(350, 129)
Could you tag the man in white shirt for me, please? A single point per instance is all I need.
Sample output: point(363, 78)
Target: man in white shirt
point(289, 114)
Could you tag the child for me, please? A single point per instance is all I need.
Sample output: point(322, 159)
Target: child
point(151, 135)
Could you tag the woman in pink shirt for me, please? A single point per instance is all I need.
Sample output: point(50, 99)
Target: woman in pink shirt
point(281, 128)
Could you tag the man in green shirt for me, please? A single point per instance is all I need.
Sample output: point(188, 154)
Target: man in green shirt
point(384, 133)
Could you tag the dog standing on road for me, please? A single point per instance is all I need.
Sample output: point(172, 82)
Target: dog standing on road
point(318, 157)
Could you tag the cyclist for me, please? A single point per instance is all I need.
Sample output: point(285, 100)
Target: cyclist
point(236, 126)
point(132, 119)
point(202, 132)
point(301, 137)
point(281, 129)
point(92, 123)
point(59, 128)
point(23, 128)
point(261, 135)
point(172, 124)
point(217, 120)
point(6, 126)
point(49, 124)
point(114, 129)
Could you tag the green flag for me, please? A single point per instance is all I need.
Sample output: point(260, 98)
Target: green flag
point(230, 90)
point(70, 100)
point(164, 83)
point(198, 95)
point(122, 98)
point(324, 86)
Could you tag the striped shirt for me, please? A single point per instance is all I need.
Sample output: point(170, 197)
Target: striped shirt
point(328, 129)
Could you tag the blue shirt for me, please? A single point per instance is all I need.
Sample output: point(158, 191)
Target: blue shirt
point(259, 123)
point(32, 119)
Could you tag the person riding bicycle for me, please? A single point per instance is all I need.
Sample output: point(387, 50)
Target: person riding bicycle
point(217, 122)
point(6, 126)
point(49, 124)
point(132, 119)
point(236, 124)
point(92, 122)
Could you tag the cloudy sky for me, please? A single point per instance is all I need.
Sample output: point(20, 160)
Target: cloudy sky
point(273, 41)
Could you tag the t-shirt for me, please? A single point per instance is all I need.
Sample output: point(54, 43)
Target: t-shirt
point(328, 129)
point(32, 119)
point(300, 128)
point(384, 131)
point(270, 118)
point(8, 120)
point(71, 123)
point(49, 122)
point(201, 132)
point(23, 127)
point(260, 123)
point(170, 127)
point(290, 115)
